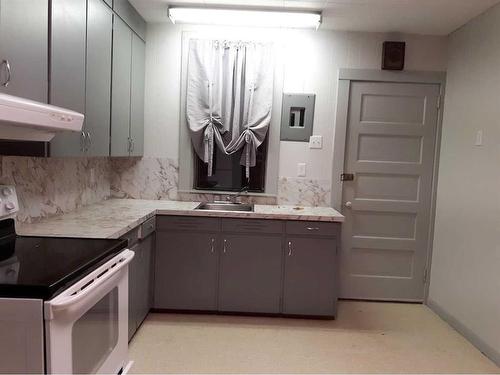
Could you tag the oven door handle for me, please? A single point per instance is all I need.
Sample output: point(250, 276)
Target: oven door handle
point(93, 281)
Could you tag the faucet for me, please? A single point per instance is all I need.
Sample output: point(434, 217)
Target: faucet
point(233, 198)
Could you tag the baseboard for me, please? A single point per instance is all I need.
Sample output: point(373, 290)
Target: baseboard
point(474, 339)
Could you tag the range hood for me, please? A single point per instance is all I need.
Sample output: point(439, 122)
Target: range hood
point(27, 120)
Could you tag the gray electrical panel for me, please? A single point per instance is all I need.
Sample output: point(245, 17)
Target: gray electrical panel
point(297, 117)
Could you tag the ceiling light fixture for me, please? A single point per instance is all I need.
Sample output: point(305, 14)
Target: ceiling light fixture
point(245, 17)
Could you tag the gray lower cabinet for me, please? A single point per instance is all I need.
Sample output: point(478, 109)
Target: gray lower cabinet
point(246, 265)
point(310, 286)
point(24, 29)
point(67, 68)
point(250, 273)
point(186, 271)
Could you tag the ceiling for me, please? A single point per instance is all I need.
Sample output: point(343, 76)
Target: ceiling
point(434, 17)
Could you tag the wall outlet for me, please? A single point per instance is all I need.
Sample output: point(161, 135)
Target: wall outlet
point(301, 170)
point(316, 141)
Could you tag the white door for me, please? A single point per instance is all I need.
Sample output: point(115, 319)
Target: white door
point(390, 149)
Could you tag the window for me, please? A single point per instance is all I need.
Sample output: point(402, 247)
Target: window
point(229, 175)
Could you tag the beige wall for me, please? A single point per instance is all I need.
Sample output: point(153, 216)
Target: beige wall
point(465, 276)
point(312, 61)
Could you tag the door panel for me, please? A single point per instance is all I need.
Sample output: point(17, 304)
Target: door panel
point(98, 94)
point(186, 271)
point(390, 149)
point(120, 110)
point(250, 273)
point(310, 276)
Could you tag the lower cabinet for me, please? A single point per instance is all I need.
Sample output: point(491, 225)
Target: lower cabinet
point(186, 271)
point(246, 266)
point(250, 273)
point(310, 281)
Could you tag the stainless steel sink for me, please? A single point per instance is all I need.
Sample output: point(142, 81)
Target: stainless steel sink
point(225, 206)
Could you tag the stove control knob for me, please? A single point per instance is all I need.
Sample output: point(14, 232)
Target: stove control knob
point(6, 191)
point(10, 206)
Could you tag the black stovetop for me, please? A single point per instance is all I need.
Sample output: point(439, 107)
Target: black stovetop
point(42, 267)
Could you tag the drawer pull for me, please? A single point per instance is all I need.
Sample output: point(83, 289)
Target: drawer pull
point(224, 247)
point(289, 248)
point(212, 246)
point(312, 228)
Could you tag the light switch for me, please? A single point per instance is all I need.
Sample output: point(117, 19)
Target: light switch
point(316, 141)
point(301, 170)
point(479, 138)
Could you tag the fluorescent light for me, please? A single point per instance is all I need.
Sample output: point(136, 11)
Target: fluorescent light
point(241, 17)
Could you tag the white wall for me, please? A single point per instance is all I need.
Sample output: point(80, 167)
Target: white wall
point(312, 62)
point(465, 276)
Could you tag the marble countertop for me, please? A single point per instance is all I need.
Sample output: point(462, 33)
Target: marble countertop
point(115, 217)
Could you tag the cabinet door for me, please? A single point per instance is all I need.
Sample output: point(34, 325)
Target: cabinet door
point(250, 273)
point(120, 110)
point(137, 97)
point(186, 271)
point(310, 276)
point(144, 285)
point(134, 277)
point(24, 28)
point(98, 95)
point(67, 68)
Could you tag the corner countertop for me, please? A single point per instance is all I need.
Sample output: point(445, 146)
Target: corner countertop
point(115, 217)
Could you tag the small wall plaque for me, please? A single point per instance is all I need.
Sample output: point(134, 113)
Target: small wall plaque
point(297, 117)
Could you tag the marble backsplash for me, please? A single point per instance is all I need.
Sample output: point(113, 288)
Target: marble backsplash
point(157, 178)
point(51, 186)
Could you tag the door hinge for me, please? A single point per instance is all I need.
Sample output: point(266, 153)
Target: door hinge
point(439, 102)
point(425, 276)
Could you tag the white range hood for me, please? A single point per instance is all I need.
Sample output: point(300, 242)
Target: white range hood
point(27, 120)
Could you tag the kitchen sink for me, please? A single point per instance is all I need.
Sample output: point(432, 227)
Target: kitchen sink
point(225, 206)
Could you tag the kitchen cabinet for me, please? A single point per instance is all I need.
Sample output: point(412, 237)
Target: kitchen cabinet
point(24, 29)
point(98, 78)
point(250, 273)
point(141, 275)
point(186, 270)
point(67, 68)
point(246, 265)
point(127, 116)
point(130, 16)
point(310, 277)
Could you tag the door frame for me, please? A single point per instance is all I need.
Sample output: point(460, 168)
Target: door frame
point(345, 78)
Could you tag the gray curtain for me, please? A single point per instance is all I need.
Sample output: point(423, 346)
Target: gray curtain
point(229, 97)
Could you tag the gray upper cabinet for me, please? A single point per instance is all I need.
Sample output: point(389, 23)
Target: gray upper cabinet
point(137, 96)
point(250, 273)
point(122, 65)
point(186, 271)
point(67, 68)
point(98, 78)
point(310, 276)
point(131, 17)
point(24, 28)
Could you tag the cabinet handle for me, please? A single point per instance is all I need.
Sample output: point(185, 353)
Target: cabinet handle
point(132, 145)
point(83, 142)
point(312, 228)
point(89, 140)
point(224, 247)
point(289, 248)
point(212, 246)
point(7, 66)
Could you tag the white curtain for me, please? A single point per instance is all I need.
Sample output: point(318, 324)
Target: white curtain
point(229, 97)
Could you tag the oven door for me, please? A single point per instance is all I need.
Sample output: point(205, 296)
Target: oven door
point(87, 324)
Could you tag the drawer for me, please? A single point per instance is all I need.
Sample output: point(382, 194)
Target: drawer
point(252, 226)
point(187, 223)
point(312, 228)
point(148, 227)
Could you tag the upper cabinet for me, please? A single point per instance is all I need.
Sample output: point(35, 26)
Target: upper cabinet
point(127, 115)
point(24, 26)
point(97, 67)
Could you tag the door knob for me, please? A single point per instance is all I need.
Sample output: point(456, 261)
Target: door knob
point(348, 204)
